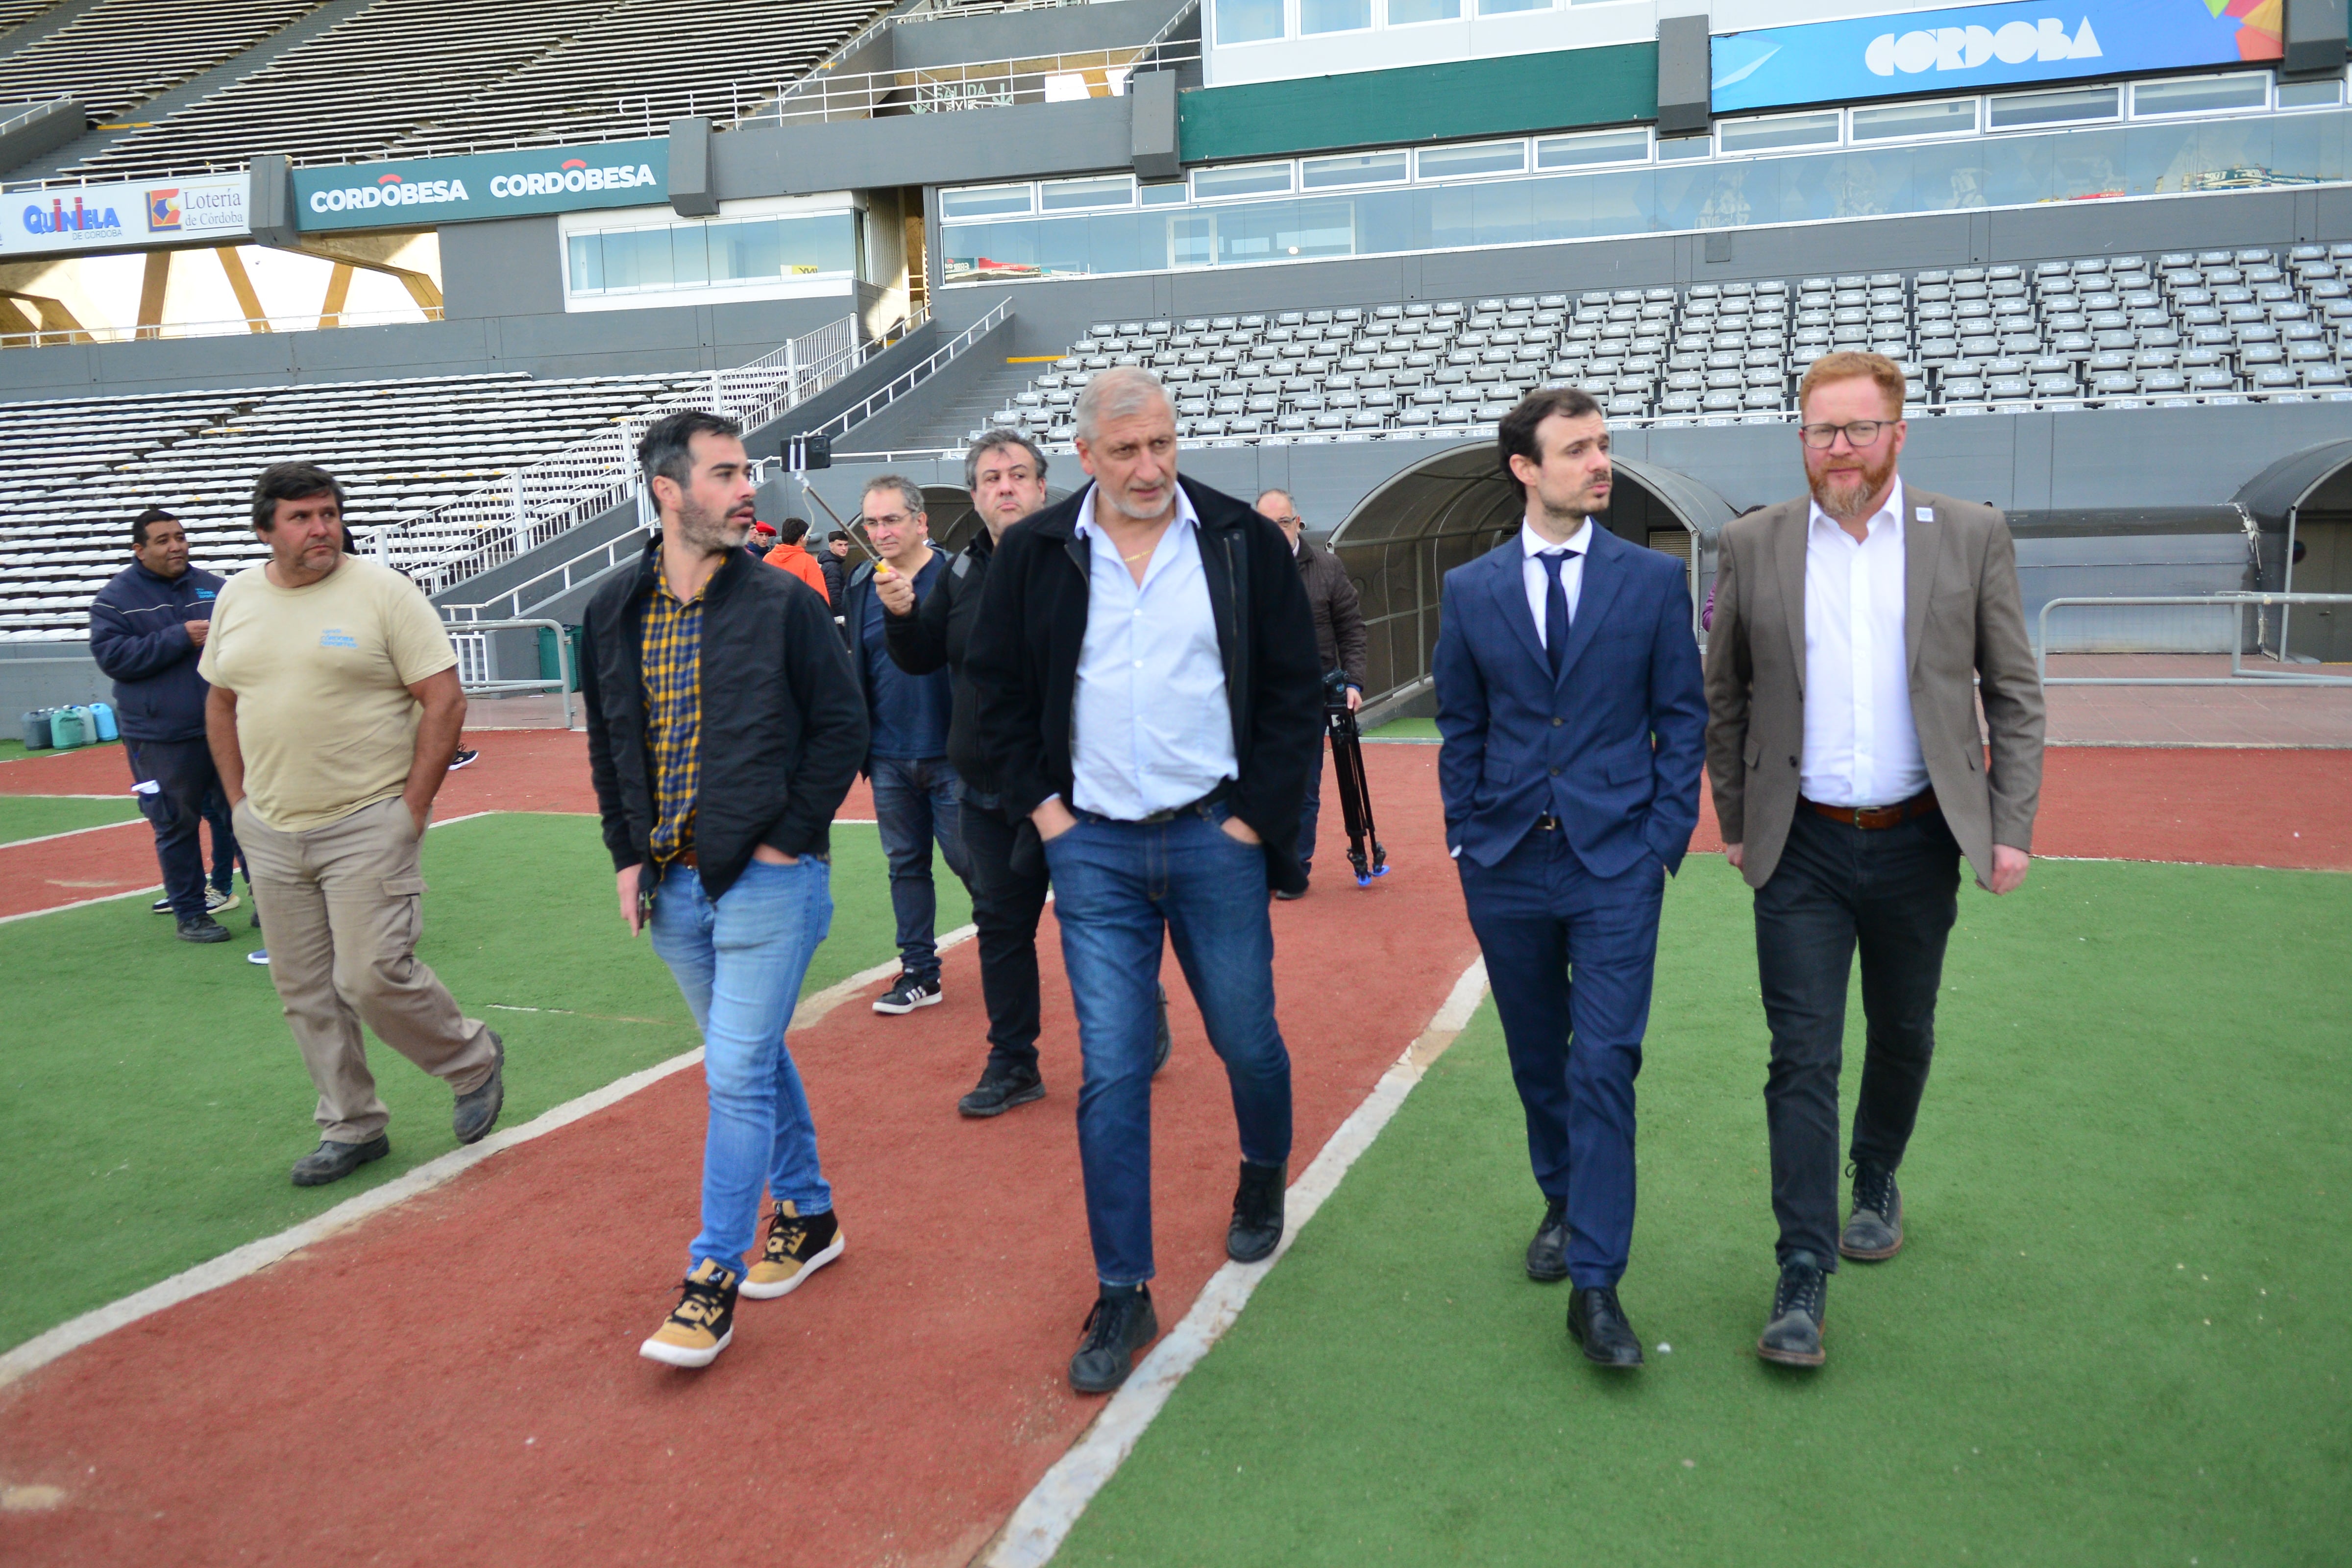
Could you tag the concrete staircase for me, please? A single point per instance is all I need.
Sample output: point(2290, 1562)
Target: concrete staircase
point(940, 414)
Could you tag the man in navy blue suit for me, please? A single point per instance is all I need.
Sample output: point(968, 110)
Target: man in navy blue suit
point(1574, 719)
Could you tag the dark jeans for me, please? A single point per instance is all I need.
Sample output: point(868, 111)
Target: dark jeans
point(1312, 812)
point(1575, 1047)
point(187, 792)
point(1005, 905)
point(1894, 892)
point(1121, 889)
point(914, 803)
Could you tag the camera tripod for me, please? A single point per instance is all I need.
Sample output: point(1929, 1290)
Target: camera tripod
point(1355, 792)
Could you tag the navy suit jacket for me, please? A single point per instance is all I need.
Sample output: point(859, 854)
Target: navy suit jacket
point(1613, 748)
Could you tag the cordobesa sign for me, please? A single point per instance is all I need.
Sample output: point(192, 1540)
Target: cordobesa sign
point(417, 192)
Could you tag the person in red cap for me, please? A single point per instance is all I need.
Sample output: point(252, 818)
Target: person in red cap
point(793, 557)
point(759, 539)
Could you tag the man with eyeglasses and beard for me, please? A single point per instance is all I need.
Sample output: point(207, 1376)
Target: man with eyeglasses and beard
point(1854, 630)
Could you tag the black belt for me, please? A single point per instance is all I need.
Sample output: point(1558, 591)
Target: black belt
point(1872, 818)
point(1190, 808)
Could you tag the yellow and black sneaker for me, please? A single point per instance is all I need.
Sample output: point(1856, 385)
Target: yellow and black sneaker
point(698, 1328)
point(797, 1247)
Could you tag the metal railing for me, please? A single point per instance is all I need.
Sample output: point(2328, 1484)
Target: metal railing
point(562, 680)
point(907, 381)
point(2236, 604)
point(526, 508)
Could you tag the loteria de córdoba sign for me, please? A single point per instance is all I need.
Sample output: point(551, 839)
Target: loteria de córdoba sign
point(416, 192)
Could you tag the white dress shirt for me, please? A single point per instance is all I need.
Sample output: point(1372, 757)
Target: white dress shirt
point(1539, 580)
point(1152, 728)
point(1861, 746)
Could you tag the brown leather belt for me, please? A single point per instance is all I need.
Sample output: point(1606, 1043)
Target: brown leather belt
point(1873, 817)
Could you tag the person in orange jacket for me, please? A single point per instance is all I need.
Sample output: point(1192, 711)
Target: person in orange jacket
point(789, 555)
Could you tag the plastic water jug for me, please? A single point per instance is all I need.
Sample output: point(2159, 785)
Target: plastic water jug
point(69, 728)
point(37, 730)
point(102, 714)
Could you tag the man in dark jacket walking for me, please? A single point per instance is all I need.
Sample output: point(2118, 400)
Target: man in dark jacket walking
point(1338, 641)
point(834, 562)
point(147, 628)
point(1006, 476)
point(1144, 663)
point(717, 797)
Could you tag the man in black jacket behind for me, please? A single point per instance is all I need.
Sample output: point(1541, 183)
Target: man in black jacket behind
point(1147, 691)
point(1006, 476)
point(716, 796)
point(147, 628)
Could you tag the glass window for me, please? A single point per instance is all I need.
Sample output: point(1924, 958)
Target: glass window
point(1597, 147)
point(1334, 15)
point(1361, 169)
point(2054, 107)
point(587, 263)
point(1478, 158)
point(1499, 7)
point(2203, 94)
point(1674, 149)
point(1778, 131)
point(1248, 21)
point(1944, 116)
point(1169, 196)
point(1062, 195)
point(983, 201)
point(1248, 180)
point(2310, 94)
point(1405, 13)
point(702, 255)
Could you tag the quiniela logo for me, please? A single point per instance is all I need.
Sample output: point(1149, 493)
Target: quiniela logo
point(59, 218)
point(1964, 48)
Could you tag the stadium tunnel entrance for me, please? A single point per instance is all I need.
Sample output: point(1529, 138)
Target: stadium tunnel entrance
point(2303, 506)
point(1401, 540)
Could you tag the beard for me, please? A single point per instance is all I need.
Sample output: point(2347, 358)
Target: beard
point(711, 531)
point(1133, 513)
point(1844, 498)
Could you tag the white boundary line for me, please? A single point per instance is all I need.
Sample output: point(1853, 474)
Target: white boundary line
point(81, 903)
point(1043, 1521)
point(68, 833)
point(254, 1256)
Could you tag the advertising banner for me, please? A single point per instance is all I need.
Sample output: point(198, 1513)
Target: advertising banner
point(1967, 47)
point(63, 219)
point(418, 191)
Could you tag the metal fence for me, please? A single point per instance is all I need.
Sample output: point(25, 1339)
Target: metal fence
point(478, 667)
point(522, 510)
point(2178, 623)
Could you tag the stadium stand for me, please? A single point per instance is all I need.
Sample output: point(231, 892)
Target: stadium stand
point(412, 76)
point(2185, 327)
point(83, 467)
point(14, 13)
point(121, 53)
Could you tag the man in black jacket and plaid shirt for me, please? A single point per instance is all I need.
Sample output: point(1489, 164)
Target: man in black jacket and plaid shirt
point(717, 797)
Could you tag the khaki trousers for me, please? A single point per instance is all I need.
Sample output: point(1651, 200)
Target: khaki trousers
point(340, 911)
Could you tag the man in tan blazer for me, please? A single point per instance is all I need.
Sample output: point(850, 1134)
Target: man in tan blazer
point(1851, 629)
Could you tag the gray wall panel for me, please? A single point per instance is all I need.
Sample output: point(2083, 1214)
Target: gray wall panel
point(511, 267)
point(924, 149)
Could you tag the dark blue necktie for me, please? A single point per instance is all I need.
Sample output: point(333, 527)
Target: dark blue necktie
point(1555, 606)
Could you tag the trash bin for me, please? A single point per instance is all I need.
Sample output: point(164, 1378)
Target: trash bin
point(548, 670)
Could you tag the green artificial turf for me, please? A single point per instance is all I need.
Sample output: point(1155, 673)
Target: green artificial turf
point(1404, 729)
point(2116, 1333)
point(38, 815)
point(150, 1098)
point(12, 751)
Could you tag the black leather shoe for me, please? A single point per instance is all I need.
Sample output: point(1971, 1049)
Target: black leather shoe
point(1001, 1089)
point(477, 1110)
point(1256, 1229)
point(1874, 1230)
point(1121, 1324)
point(202, 927)
point(1163, 1042)
point(1597, 1322)
point(1800, 1306)
point(1547, 1253)
point(332, 1161)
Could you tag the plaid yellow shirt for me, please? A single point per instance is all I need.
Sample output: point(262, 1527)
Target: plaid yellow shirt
point(673, 671)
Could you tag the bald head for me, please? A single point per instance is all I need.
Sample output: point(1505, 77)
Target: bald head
point(1277, 508)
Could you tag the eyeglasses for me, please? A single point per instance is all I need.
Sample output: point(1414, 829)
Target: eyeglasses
point(1859, 433)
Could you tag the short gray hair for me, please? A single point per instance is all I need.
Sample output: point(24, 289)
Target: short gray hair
point(989, 441)
point(908, 491)
point(1115, 394)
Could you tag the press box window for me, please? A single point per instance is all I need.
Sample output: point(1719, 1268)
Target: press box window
point(1249, 180)
point(1597, 147)
point(1072, 196)
point(1677, 149)
point(1479, 158)
point(1778, 131)
point(1174, 195)
point(1942, 117)
point(2054, 108)
point(984, 201)
point(1503, 7)
point(707, 254)
point(1334, 15)
point(2203, 94)
point(2311, 94)
point(1366, 169)
point(1248, 21)
point(1405, 13)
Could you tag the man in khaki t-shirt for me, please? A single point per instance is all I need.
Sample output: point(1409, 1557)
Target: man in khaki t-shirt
point(334, 710)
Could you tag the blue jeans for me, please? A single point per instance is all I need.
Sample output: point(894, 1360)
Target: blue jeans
point(1118, 887)
point(740, 963)
point(1575, 1044)
point(1312, 812)
point(914, 802)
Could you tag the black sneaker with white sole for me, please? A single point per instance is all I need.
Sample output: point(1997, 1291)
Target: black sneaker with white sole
point(907, 994)
point(463, 758)
point(216, 902)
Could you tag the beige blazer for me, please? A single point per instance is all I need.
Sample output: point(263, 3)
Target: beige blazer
point(1963, 622)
